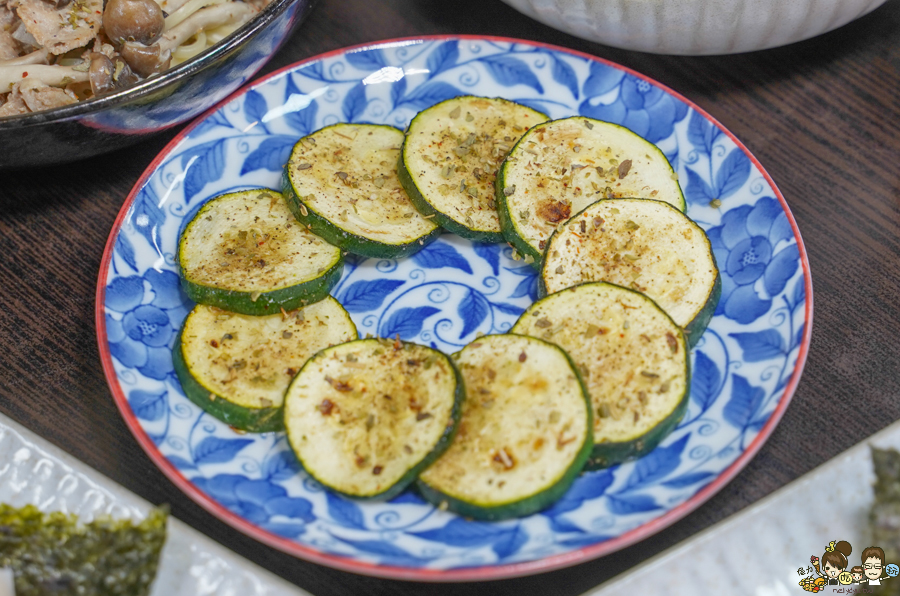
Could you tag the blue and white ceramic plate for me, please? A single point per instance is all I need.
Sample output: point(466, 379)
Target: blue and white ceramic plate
point(746, 366)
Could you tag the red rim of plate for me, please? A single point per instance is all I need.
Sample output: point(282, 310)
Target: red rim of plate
point(492, 572)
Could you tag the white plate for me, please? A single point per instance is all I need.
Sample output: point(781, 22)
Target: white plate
point(34, 472)
point(760, 550)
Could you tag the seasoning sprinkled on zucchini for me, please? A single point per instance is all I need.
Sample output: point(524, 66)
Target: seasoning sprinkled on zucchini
point(524, 435)
point(238, 367)
point(648, 246)
point(341, 182)
point(560, 167)
point(365, 417)
point(245, 252)
point(450, 159)
point(633, 358)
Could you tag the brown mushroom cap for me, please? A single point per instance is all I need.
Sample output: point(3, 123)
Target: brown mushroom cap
point(145, 60)
point(133, 20)
point(101, 74)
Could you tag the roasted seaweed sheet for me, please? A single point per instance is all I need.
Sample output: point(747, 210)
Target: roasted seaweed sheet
point(884, 517)
point(55, 554)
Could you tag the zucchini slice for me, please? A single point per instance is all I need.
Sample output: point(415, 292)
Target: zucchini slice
point(560, 167)
point(524, 435)
point(646, 245)
point(450, 159)
point(238, 367)
point(633, 358)
point(365, 417)
point(244, 252)
point(341, 182)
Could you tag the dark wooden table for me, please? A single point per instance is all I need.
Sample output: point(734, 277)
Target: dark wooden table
point(822, 116)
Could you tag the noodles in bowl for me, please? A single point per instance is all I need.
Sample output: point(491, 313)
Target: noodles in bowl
point(58, 52)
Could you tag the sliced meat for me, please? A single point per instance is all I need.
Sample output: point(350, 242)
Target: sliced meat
point(14, 104)
point(9, 47)
point(38, 96)
point(63, 29)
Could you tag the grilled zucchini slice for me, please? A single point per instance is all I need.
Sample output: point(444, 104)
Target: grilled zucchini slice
point(646, 245)
point(633, 358)
point(450, 159)
point(238, 367)
point(244, 252)
point(365, 417)
point(560, 167)
point(524, 435)
point(341, 182)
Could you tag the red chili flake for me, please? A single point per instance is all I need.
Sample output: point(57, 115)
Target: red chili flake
point(25, 73)
point(326, 407)
point(397, 343)
point(523, 356)
point(214, 343)
point(377, 470)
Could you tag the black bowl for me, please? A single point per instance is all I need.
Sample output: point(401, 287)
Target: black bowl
point(113, 121)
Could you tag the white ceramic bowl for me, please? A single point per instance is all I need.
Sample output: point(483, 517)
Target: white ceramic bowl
point(695, 26)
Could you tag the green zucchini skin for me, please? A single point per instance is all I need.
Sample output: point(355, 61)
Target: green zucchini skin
point(333, 233)
point(242, 301)
point(507, 226)
point(446, 222)
point(607, 454)
point(359, 245)
point(410, 475)
point(695, 328)
point(537, 501)
point(257, 420)
point(507, 111)
point(511, 232)
point(267, 303)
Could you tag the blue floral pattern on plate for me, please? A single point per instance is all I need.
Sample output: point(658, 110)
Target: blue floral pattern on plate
point(444, 296)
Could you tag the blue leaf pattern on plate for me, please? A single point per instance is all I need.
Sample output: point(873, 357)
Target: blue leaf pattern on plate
point(441, 254)
point(446, 293)
point(473, 309)
point(271, 155)
point(344, 511)
point(657, 464)
point(760, 345)
point(443, 57)
point(705, 380)
point(218, 450)
point(362, 296)
point(744, 403)
point(355, 103)
point(631, 504)
point(509, 71)
point(564, 74)
point(429, 94)
point(367, 59)
point(732, 173)
point(255, 107)
point(204, 164)
point(407, 322)
point(147, 405)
